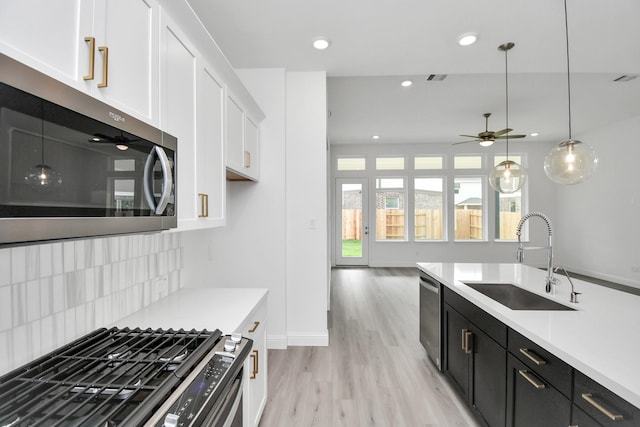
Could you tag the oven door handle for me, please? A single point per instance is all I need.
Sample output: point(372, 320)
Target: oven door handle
point(167, 180)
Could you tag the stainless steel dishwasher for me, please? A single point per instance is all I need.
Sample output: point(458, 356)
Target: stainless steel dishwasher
point(430, 329)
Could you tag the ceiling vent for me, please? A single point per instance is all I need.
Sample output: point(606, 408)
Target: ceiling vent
point(436, 77)
point(625, 78)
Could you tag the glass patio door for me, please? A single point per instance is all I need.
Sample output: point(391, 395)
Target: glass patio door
point(352, 227)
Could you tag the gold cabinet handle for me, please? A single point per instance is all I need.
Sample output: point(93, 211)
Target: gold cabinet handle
point(92, 56)
point(247, 159)
point(463, 333)
point(255, 326)
point(255, 355)
point(532, 357)
point(532, 380)
point(589, 398)
point(105, 66)
point(204, 205)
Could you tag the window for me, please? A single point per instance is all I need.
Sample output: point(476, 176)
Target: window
point(469, 208)
point(352, 164)
point(467, 162)
point(508, 208)
point(427, 162)
point(390, 206)
point(429, 209)
point(389, 163)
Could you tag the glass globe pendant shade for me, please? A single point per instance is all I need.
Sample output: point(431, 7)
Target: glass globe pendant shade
point(41, 177)
point(507, 177)
point(571, 162)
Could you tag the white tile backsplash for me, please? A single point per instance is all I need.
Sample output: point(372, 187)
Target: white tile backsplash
point(54, 293)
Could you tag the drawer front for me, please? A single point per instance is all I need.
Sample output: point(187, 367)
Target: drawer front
point(484, 321)
point(581, 419)
point(546, 365)
point(604, 406)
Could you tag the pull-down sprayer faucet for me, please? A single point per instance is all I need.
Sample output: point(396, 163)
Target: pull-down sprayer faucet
point(520, 252)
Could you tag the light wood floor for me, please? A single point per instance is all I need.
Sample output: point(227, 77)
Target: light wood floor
point(374, 371)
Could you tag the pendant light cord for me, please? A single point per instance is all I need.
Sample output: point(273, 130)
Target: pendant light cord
point(566, 33)
point(42, 133)
point(506, 91)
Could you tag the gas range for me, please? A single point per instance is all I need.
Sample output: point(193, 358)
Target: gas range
point(122, 377)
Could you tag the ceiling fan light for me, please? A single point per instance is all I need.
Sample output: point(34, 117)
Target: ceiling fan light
point(507, 177)
point(570, 162)
point(487, 142)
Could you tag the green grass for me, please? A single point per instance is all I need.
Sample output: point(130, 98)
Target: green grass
point(352, 248)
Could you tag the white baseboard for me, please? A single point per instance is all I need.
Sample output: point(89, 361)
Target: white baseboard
point(277, 342)
point(308, 340)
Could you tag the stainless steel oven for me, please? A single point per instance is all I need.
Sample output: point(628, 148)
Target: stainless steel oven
point(72, 166)
point(131, 377)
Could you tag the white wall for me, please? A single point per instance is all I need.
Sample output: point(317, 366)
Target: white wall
point(306, 192)
point(406, 254)
point(598, 227)
point(250, 250)
point(269, 240)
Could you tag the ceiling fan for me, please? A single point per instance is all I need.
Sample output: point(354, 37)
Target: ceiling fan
point(488, 137)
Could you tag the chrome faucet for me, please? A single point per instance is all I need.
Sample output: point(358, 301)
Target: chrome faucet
point(551, 281)
point(574, 295)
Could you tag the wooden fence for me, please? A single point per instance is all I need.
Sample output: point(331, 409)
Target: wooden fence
point(428, 224)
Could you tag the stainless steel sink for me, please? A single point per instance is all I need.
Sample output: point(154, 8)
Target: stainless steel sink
point(514, 297)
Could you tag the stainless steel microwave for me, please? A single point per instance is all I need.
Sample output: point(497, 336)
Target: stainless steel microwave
point(72, 166)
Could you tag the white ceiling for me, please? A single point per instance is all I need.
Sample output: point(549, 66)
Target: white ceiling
point(378, 43)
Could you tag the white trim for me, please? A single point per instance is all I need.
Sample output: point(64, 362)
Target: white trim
point(277, 342)
point(304, 339)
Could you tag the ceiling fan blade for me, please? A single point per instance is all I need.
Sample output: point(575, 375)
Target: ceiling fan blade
point(500, 132)
point(511, 136)
point(470, 136)
point(465, 142)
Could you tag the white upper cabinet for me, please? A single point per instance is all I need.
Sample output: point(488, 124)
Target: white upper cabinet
point(242, 141)
point(108, 49)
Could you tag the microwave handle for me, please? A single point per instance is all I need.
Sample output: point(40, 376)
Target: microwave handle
point(167, 182)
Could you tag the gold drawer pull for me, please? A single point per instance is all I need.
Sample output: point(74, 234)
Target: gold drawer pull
point(532, 357)
point(467, 343)
point(255, 326)
point(254, 355)
point(527, 376)
point(204, 205)
point(105, 66)
point(92, 56)
point(589, 398)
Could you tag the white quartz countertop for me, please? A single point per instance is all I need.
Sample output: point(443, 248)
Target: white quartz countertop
point(198, 308)
point(601, 338)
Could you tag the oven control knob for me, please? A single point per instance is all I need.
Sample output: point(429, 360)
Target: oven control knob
point(171, 420)
point(230, 346)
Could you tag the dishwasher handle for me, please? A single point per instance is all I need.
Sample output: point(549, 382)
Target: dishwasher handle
point(429, 284)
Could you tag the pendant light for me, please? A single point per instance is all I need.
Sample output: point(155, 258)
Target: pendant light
point(42, 176)
point(507, 176)
point(571, 161)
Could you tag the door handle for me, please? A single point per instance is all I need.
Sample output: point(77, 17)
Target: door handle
point(92, 56)
point(105, 66)
point(167, 180)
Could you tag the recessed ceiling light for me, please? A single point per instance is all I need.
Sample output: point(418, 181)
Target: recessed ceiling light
point(376, 136)
point(467, 39)
point(535, 134)
point(321, 43)
point(406, 83)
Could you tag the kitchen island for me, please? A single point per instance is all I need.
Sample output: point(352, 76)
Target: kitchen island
point(599, 337)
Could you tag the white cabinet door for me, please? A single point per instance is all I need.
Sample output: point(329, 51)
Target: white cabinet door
point(235, 134)
point(255, 370)
point(108, 49)
point(210, 166)
point(48, 36)
point(179, 113)
point(129, 30)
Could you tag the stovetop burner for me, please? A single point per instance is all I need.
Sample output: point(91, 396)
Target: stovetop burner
point(99, 379)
